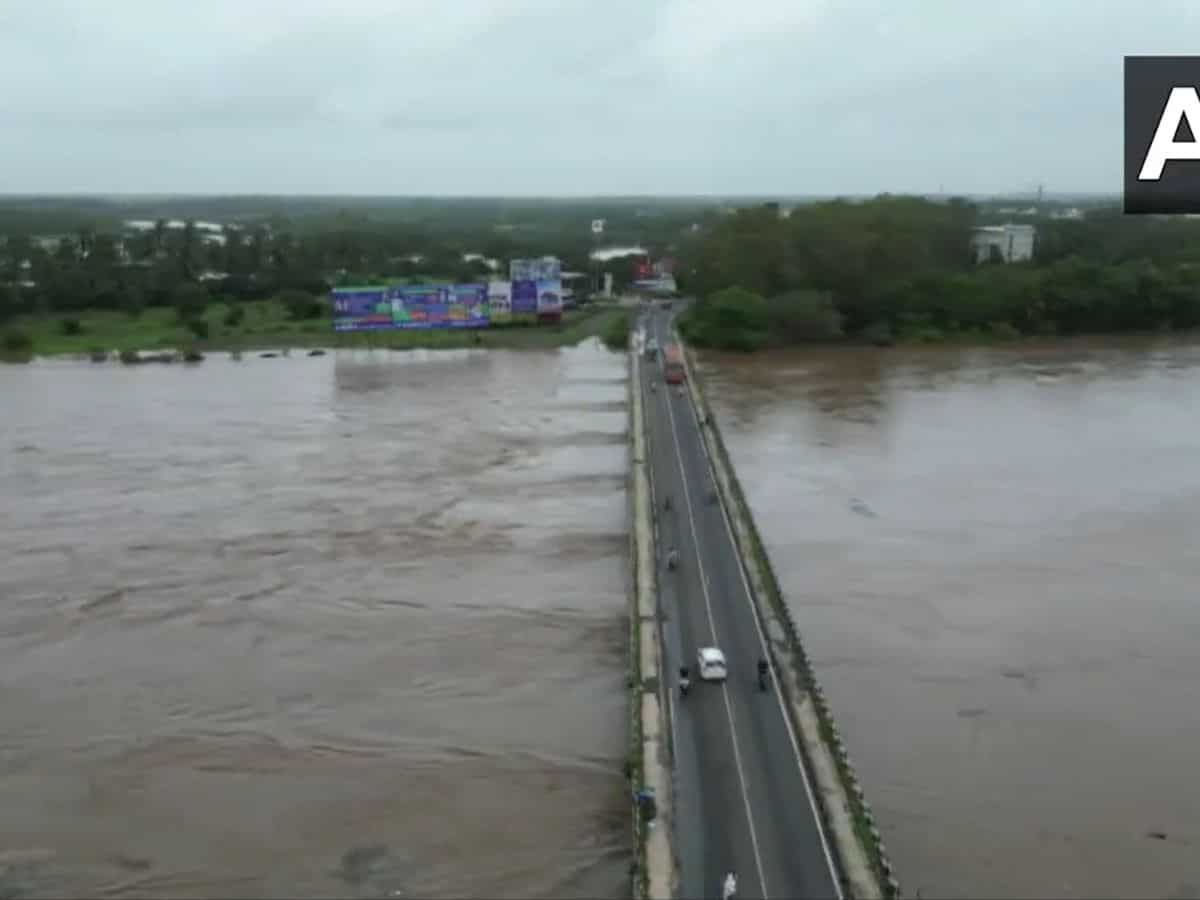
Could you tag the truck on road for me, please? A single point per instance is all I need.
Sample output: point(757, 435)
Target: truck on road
point(673, 364)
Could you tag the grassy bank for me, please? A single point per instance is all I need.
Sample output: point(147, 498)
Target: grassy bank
point(266, 325)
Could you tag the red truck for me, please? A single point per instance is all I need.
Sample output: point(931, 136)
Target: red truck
point(673, 364)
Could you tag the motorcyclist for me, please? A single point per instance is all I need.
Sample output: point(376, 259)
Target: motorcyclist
point(684, 681)
point(672, 558)
point(667, 502)
point(762, 673)
point(729, 888)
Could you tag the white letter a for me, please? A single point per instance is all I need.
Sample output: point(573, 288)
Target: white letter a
point(1182, 104)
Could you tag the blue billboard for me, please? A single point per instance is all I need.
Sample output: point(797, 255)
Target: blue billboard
point(361, 309)
point(524, 297)
point(410, 307)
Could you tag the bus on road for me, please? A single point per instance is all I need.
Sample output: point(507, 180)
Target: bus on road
point(673, 364)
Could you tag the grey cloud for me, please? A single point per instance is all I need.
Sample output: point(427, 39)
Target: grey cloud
point(570, 96)
point(429, 121)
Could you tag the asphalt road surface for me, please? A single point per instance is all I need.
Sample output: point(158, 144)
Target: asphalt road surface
point(742, 798)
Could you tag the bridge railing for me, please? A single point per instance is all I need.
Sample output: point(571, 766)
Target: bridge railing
point(864, 820)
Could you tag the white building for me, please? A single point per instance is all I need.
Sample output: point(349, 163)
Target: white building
point(607, 254)
point(1013, 243)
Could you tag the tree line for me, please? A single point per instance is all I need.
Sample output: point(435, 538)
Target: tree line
point(900, 268)
point(98, 264)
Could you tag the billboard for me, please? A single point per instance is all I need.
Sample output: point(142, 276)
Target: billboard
point(499, 296)
point(361, 309)
point(664, 284)
point(524, 297)
point(410, 307)
point(549, 297)
point(468, 305)
point(548, 268)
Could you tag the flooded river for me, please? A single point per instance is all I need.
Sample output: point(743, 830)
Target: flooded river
point(339, 626)
point(993, 556)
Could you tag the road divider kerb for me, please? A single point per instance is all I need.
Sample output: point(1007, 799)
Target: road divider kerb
point(866, 870)
point(654, 868)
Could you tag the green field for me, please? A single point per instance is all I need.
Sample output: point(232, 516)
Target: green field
point(266, 325)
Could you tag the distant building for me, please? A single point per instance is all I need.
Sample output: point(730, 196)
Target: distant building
point(607, 254)
point(1010, 243)
point(573, 283)
point(492, 264)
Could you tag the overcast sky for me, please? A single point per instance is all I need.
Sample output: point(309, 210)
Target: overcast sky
point(535, 97)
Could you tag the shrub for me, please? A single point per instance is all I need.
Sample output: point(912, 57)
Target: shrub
point(616, 333)
point(16, 343)
point(71, 327)
point(301, 305)
point(800, 316)
point(190, 301)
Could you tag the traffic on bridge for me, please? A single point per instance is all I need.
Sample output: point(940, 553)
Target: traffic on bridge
point(743, 800)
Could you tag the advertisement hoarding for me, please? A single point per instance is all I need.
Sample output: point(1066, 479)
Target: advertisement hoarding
point(549, 297)
point(410, 307)
point(468, 305)
point(419, 306)
point(524, 297)
point(499, 296)
point(548, 268)
point(662, 285)
point(361, 309)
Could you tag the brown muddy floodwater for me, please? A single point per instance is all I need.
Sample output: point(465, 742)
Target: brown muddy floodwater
point(338, 626)
point(994, 556)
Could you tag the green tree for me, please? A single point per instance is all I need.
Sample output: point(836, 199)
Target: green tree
point(301, 305)
point(10, 302)
point(731, 319)
point(800, 316)
point(190, 301)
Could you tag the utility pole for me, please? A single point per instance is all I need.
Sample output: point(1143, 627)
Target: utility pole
point(597, 234)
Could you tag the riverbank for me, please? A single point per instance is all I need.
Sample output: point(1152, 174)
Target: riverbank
point(265, 325)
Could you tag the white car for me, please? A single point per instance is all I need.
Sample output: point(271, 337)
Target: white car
point(710, 662)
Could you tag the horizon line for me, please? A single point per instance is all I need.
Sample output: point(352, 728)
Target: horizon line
point(161, 195)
